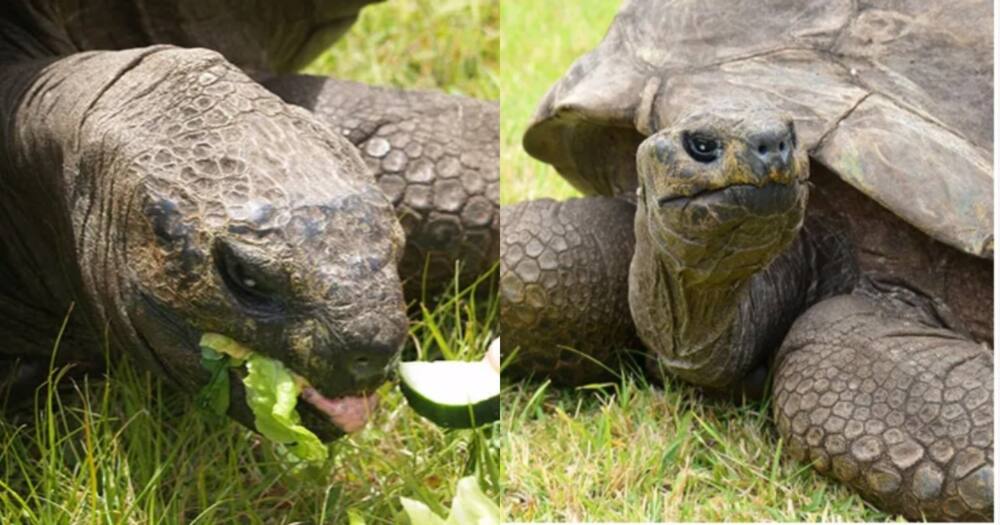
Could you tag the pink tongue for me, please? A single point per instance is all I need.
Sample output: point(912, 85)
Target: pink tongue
point(349, 413)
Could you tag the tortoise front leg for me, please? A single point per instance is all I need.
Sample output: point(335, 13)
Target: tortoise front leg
point(564, 286)
point(897, 409)
point(434, 155)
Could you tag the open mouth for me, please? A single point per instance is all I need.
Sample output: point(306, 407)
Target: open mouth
point(347, 413)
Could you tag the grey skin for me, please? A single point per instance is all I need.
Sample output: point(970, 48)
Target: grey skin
point(160, 191)
point(794, 205)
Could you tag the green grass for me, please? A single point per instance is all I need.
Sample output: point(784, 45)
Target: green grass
point(131, 450)
point(628, 451)
point(540, 41)
point(448, 45)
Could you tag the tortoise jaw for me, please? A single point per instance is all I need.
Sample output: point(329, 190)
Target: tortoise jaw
point(173, 345)
point(771, 198)
point(328, 418)
point(724, 235)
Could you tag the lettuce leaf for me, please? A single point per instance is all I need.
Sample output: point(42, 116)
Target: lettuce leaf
point(271, 393)
point(224, 345)
point(470, 507)
point(214, 396)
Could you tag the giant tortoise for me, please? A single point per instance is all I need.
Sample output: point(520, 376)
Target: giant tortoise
point(165, 174)
point(794, 191)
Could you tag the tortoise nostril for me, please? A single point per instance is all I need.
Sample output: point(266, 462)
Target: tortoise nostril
point(366, 363)
point(772, 146)
point(361, 356)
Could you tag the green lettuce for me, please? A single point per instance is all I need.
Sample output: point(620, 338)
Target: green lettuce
point(271, 393)
point(218, 354)
point(470, 507)
point(214, 396)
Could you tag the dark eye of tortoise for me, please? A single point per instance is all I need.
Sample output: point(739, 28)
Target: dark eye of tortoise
point(702, 148)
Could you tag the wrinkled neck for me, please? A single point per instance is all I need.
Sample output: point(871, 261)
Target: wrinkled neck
point(60, 206)
point(686, 324)
point(35, 228)
point(712, 332)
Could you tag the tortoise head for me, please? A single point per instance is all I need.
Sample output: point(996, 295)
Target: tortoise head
point(271, 232)
point(723, 190)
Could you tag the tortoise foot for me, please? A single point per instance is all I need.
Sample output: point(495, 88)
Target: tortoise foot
point(898, 410)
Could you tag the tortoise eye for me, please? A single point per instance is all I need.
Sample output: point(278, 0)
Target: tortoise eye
point(702, 148)
point(248, 280)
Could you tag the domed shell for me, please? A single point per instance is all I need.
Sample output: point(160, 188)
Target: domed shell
point(895, 97)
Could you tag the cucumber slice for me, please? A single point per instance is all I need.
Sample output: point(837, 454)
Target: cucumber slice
point(452, 394)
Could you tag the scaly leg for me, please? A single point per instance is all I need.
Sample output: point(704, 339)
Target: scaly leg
point(564, 286)
point(897, 408)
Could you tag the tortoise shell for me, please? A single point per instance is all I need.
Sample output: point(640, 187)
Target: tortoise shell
point(894, 97)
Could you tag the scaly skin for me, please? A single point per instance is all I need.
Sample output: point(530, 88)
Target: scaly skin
point(564, 287)
point(862, 380)
point(440, 168)
point(166, 194)
point(191, 200)
point(891, 102)
point(899, 410)
point(435, 156)
point(703, 232)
